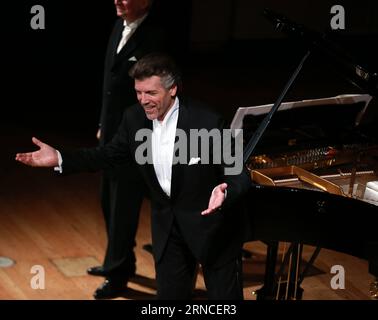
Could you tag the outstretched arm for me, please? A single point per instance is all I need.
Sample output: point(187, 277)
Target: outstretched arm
point(46, 156)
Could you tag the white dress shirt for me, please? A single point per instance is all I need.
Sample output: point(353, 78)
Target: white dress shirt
point(128, 30)
point(163, 141)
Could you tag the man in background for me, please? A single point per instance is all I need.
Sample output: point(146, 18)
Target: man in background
point(136, 33)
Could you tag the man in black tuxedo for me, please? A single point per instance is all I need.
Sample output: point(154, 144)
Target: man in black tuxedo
point(184, 232)
point(135, 34)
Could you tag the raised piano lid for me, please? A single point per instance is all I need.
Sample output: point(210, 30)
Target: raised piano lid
point(346, 99)
point(340, 120)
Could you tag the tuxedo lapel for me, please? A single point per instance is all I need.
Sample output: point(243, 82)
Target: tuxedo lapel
point(116, 38)
point(127, 49)
point(178, 169)
point(132, 43)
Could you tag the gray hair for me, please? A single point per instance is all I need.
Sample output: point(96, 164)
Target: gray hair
point(157, 64)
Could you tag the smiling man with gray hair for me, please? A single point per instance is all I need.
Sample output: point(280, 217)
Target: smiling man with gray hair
point(188, 225)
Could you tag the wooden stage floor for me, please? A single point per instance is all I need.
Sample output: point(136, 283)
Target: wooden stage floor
point(56, 223)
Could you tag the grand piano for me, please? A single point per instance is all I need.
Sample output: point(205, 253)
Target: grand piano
point(314, 165)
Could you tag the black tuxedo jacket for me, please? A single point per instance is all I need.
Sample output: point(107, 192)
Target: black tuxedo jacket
point(118, 87)
point(213, 239)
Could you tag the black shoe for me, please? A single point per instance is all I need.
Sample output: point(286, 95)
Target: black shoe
point(96, 271)
point(111, 288)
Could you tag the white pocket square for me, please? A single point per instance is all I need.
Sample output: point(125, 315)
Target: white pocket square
point(194, 161)
point(133, 58)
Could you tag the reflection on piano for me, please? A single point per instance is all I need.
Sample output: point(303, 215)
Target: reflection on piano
point(316, 175)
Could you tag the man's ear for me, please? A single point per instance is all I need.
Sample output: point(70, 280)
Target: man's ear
point(173, 90)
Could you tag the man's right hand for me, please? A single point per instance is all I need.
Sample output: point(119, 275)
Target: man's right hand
point(98, 134)
point(46, 156)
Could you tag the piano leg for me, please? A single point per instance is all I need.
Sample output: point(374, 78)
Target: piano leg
point(274, 288)
point(294, 291)
point(267, 291)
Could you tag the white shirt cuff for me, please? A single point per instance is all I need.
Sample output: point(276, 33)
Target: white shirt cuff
point(60, 161)
point(225, 192)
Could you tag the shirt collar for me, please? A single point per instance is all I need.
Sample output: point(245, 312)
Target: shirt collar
point(169, 114)
point(135, 24)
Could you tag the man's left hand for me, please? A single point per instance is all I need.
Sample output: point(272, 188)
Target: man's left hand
point(216, 199)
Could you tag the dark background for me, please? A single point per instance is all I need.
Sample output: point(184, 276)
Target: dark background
point(51, 79)
point(232, 56)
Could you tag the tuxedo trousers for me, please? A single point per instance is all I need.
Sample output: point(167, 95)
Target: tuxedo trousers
point(122, 193)
point(177, 268)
